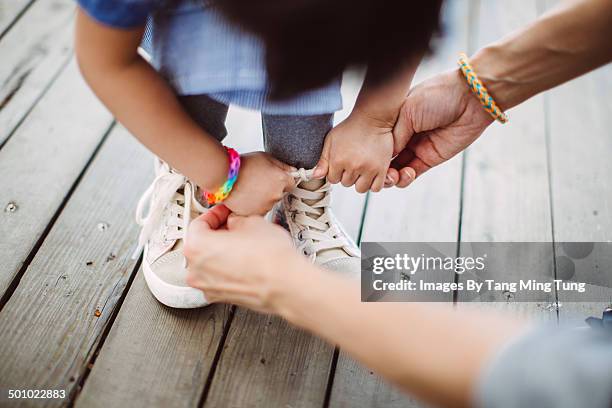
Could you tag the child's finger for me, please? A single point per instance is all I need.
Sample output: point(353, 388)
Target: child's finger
point(283, 166)
point(378, 183)
point(334, 175)
point(348, 178)
point(289, 182)
point(363, 183)
point(322, 167)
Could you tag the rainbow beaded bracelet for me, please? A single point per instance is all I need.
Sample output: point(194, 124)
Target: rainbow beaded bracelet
point(223, 192)
point(480, 90)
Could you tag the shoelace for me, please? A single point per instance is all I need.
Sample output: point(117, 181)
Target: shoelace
point(317, 230)
point(165, 188)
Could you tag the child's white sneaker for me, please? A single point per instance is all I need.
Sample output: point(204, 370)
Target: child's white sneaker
point(172, 204)
point(306, 213)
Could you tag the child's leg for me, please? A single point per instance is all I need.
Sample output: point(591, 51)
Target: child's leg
point(209, 114)
point(173, 201)
point(305, 212)
point(296, 140)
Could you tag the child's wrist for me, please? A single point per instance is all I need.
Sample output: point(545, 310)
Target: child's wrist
point(215, 169)
point(378, 119)
point(219, 194)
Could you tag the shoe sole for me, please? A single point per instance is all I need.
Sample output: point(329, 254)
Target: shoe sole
point(178, 297)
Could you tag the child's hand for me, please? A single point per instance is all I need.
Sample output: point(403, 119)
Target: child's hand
point(262, 180)
point(357, 151)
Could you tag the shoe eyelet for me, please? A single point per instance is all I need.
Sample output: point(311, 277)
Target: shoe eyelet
point(306, 252)
point(300, 236)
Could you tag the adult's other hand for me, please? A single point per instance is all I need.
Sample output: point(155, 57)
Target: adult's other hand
point(440, 118)
point(234, 259)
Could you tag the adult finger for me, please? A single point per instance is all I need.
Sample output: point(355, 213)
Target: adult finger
point(403, 129)
point(212, 219)
point(200, 229)
point(407, 176)
point(235, 221)
point(391, 178)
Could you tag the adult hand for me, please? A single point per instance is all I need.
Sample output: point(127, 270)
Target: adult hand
point(251, 279)
point(440, 118)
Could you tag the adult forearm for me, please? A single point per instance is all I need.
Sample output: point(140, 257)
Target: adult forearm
point(429, 350)
point(561, 45)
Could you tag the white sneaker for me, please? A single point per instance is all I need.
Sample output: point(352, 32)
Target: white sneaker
point(305, 212)
point(172, 205)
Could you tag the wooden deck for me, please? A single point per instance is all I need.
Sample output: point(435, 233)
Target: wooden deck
point(75, 313)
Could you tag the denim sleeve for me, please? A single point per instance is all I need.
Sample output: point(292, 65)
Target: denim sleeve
point(119, 13)
point(551, 367)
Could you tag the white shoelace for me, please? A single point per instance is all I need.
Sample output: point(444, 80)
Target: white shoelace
point(165, 188)
point(317, 230)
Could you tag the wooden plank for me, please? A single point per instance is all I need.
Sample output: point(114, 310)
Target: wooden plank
point(50, 328)
point(506, 190)
point(426, 211)
point(173, 350)
point(40, 163)
point(33, 53)
point(10, 11)
point(579, 123)
point(265, 361)
point(154, 355)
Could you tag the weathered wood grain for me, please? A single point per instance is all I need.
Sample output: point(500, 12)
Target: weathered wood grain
point(426, 211)
point(506, 190)
point(52, 324)
point(10, 12)
point(267, 362)
point(40, 163)
point(154, 356)
point(580, 150)
point(33, 53)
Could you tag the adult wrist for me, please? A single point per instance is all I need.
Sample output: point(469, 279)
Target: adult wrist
point(497, 68)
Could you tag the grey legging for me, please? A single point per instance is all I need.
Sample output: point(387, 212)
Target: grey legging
point(295, 140)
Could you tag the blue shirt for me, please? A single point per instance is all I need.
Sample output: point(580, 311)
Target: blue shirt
point(198, 52)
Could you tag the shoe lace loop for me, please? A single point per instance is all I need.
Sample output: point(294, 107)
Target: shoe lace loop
point(164, 195)
point(311, 213)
